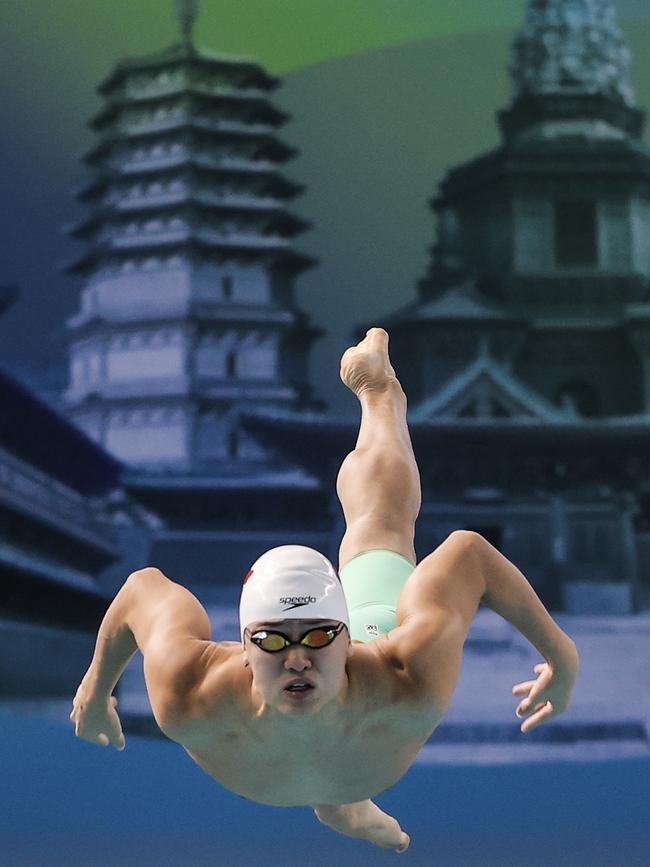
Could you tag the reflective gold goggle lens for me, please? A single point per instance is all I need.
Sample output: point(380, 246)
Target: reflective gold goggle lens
point(318, 637)
point(271, 641)
point(274, 641)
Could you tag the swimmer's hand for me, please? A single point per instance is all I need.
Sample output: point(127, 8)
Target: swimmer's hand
point(549, 695)
point(365, 821)
point(96, 719)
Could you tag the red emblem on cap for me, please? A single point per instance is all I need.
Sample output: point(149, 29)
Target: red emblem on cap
point(250, 572)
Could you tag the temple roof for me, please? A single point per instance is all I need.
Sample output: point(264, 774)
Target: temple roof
point(214, 131)
point(245, 68)
point(265, 110)
point(486, 391)
point(199, 177)
point(37, 434)
point(462, 301)
point(266, 175)
point(320, 441)
point(268, 478)
point(197, 207)
point(202, 242)
point(637, 312)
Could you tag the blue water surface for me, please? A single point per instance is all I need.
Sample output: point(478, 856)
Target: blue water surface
point(66, 802)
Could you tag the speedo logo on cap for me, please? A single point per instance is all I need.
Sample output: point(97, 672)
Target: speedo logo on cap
point(296, 601)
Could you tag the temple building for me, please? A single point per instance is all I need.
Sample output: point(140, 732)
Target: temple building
point(526, 355)
point(58, 534)
point(187, 310)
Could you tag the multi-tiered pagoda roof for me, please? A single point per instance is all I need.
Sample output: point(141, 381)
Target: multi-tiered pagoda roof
point(188, 156)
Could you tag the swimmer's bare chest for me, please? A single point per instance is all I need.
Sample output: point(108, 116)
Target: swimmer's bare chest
point(384, 729)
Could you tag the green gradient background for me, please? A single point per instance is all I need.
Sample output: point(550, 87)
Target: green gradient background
point(51, 48)
point(283, 34)
point(385, 96)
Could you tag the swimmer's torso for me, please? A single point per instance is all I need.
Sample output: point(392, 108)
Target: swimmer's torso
point(384, 729)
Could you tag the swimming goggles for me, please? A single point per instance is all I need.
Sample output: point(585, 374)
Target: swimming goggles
point(316, 637)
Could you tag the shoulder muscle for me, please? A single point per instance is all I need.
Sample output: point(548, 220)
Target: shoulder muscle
point(428, 647)
point(207, 692)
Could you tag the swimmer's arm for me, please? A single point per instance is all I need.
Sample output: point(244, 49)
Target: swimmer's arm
point(169, 626)
point(364, 821)
point(172, 630)
point(447, 587)
point(435, 611)
point(115, 645)
point(94, 712)
point(509, 594)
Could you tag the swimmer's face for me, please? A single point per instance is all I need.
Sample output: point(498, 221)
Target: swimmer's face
point(324, 667)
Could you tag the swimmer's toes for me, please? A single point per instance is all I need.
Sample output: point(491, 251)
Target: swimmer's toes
point(377, 335)
point(403, 846)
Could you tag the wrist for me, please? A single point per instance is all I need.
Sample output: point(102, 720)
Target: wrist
point(565, 655)
point(95, 686)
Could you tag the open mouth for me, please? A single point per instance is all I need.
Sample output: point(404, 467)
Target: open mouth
point(298, 689)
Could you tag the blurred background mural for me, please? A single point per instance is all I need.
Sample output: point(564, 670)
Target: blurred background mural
point(205, 204)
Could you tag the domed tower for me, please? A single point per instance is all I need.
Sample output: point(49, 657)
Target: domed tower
point(526, 355)
point(579, 258)
point(553, 224)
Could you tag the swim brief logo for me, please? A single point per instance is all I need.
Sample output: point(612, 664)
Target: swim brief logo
point(372, 628)
point(296, 601)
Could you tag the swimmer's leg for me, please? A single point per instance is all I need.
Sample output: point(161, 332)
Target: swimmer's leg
point(379, 482)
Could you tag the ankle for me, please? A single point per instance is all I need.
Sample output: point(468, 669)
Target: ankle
point(389, 387)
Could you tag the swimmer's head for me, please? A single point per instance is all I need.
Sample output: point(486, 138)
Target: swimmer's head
point(292, 589)
point(321, 668)
point(292, 582)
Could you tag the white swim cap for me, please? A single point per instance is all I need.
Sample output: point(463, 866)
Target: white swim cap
point(292, 582)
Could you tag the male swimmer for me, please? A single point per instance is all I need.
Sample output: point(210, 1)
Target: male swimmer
point(337, 682)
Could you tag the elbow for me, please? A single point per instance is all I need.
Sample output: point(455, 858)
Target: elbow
point(146, 573)
point(142, 578)
point(134, 576)
point(475, 548)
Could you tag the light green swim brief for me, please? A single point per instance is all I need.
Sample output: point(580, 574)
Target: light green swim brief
point(372, 582)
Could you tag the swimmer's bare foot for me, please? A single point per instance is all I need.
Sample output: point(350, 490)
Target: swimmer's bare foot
point(365, 821)
point(366, 366)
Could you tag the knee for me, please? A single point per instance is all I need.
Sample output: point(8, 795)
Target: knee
point(466, 536)
point(377, 480)
point(467, 540)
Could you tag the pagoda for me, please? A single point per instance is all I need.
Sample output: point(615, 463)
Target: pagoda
point(530, 338)
point(187, 309)
point(526, 354)
point(551, 227)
